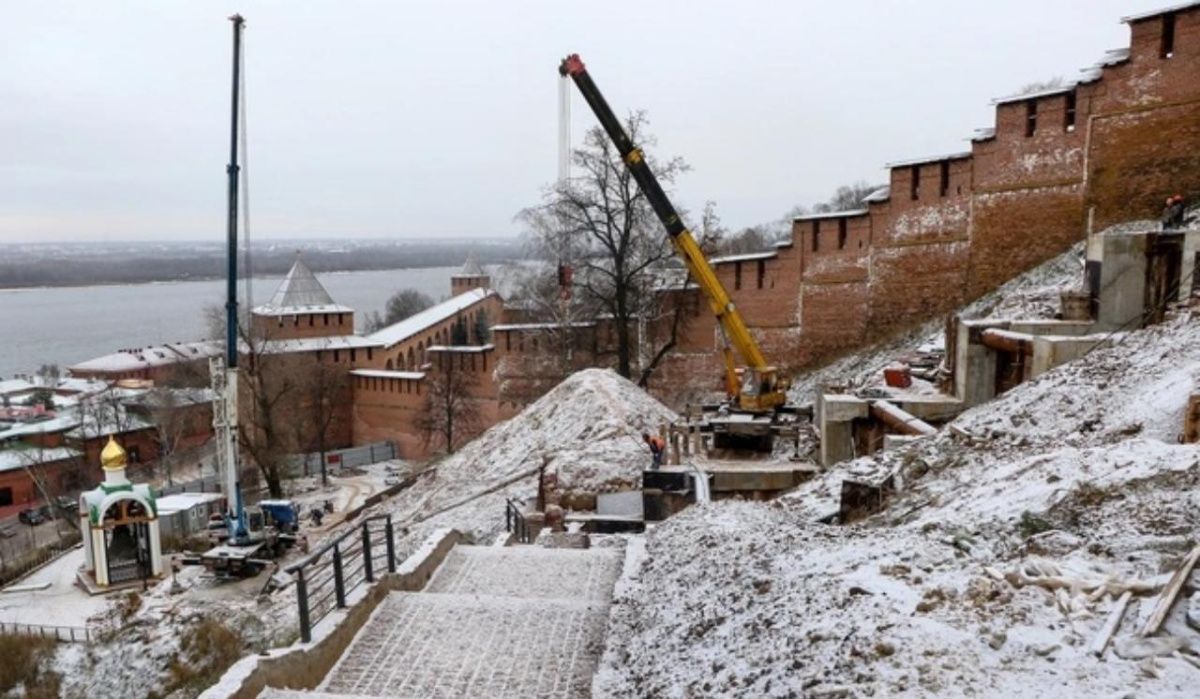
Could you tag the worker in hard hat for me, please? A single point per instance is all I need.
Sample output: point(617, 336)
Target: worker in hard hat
point(657, 445)
point(1172, 218)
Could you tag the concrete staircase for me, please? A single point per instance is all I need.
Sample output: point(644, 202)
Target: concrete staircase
point(493, 622)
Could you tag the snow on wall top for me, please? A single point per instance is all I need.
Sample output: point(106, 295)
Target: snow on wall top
point(929, 159)
point(849, 213)
point(747, 257)
point(1161, 11)
point(312, 344)
point(433, 315)
point(386, 374)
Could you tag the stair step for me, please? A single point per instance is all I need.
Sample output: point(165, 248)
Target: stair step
point(529, 572)
point(436, 644)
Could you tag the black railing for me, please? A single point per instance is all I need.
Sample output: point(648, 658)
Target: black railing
point(32, 560)
point(63, 634)
point(328, 575)
point(515, 522)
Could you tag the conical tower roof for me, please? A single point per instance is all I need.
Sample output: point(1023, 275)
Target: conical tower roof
point(300, 292)
point(471, 268)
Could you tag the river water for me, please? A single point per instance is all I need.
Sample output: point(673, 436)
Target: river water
point(67, 325)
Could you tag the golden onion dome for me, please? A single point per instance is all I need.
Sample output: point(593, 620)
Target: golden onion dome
point(113, 457)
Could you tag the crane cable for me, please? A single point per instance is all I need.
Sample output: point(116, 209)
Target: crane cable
point(247, 259)
point(564, 129)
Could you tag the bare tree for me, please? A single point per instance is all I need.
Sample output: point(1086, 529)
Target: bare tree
point(323, 389)
point(402, 304)
point(673, 310)
point(602, 224)
point(173, 411)
point(451, 412)
point(268, 389)
point(847, 197)
point(536, 290)
point(1042, 85)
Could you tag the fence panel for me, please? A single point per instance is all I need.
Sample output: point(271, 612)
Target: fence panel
point(345, 458)
point(61, 634)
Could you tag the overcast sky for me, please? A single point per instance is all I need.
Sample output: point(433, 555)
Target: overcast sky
point(425, 119)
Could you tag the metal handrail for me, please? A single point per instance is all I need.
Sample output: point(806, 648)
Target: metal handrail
point(515, 522)
point(350, 563)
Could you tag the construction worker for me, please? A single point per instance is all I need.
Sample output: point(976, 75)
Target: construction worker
point(657, 445)
point(1172, 217)
point(1178, 212)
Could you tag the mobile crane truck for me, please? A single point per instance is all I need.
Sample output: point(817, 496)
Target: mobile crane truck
point(756, 407)
point(247, 536)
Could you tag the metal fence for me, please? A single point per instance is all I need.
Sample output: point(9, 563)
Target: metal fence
point(345, 458)
point(327, 576)
point(206, 484)
point(36, 558)
point(62, 634)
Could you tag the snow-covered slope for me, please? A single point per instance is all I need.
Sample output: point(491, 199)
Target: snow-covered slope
point(1034, 294)
point(1075, 479)
point(587, 430)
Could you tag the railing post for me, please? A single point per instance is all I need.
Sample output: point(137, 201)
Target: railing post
point(508, 523)
point(366, 536)
point(391, 545)
point(339, 584)
point(302, 600)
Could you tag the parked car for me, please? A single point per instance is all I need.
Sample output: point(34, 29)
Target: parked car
point(33, 516)
point(68, 505)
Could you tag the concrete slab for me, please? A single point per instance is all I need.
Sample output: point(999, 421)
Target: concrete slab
point(627, 503)
point(842, 408)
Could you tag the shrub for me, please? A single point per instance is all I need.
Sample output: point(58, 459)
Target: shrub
point(25, 660)
point(205, 652)
point(1031, 524)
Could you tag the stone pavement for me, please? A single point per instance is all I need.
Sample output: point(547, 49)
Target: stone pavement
point(493, 622)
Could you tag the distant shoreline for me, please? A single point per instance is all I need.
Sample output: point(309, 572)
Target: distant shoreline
point(265, 276)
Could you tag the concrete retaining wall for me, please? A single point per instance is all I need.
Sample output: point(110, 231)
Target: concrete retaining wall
point(305, 665)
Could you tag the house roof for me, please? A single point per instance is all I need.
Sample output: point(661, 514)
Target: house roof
point(398, 332)
point(13, 459)
point(169, 504)
point(9, 386)
point(146, 357)
point(300, 292)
